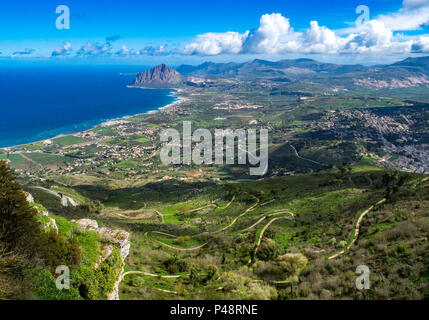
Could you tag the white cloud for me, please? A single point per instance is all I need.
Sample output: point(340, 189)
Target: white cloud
point(65, 50)
point(421, 45)
point(95, 49)
point(276, 36)
point(161, 50)
point(273, 35)
point(124, 51)
point(372, 36)
point(412, 16)
point(320, 39)
point(414, 3)
point(217, 43)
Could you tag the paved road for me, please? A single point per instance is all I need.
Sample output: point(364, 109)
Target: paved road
point(65, 200)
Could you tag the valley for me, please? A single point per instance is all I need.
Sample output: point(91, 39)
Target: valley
point(346, 186)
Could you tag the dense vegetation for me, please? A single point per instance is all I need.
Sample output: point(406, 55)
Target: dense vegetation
point(30, 254)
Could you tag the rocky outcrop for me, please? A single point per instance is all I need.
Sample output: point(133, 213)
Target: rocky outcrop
point(393, 83)
point(51, 223)
point(119, 238)
point(29, 197)
point(106, 251)
point(159, 76)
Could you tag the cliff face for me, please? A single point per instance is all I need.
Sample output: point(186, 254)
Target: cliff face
point(111, 238)
point(159, 76)
point(119, 238)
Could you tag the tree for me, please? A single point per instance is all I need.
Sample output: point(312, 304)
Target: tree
point(268, 249)
point(93, 206)
point(292, 263)
point(19, 230)
point(241, 287)
point(24, 246)
point(212, 272)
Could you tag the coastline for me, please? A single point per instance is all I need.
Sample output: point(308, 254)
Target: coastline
point(107, 122)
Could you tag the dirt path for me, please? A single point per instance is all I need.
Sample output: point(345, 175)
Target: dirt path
point(181, 249)
point(154, 275)
point(256, 223)
point(265, 203)
point(117, 214)
point(263, 231)
point(165, 234)
point(223, 229)
point(197, 247)
point(356, 230)
point(265, 217)
point(306, 159)
point(151, 275)
point(236, 218)
point(229, 203)
point(31, 160)
point(214, 205)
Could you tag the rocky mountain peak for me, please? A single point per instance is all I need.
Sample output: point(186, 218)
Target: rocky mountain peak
point(160, 75)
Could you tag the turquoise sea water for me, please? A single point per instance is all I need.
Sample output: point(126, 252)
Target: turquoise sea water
point(40, 102)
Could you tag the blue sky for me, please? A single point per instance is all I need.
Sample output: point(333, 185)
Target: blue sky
point(192, 31)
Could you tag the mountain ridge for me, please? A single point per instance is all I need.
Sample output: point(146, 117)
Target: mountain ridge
point(419, 64)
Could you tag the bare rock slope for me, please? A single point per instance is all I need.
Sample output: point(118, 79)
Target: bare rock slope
point(159, 76)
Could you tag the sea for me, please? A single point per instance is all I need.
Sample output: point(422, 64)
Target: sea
point(39, 101)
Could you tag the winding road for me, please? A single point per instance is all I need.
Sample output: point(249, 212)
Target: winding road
point(263, 231)
point(65, 200)
point(356, 230)
point(306, 159)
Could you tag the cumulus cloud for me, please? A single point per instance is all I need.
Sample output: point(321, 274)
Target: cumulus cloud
point(276, 36)
point(26, 51)
point(413, 15)
point(217, 43)
point(148, 51)
point(161, 50)
point(124, 51)
point(95, 49)
point(320, 39)
point(106, 49)
point(65, 50)
point(373, 36)
point(421, 45)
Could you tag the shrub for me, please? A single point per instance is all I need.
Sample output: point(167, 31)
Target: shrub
point(292, 263)
point(267, 250)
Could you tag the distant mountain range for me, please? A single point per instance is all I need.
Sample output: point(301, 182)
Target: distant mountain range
point(307, 66)
point(282, 67)
point(406, 73)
